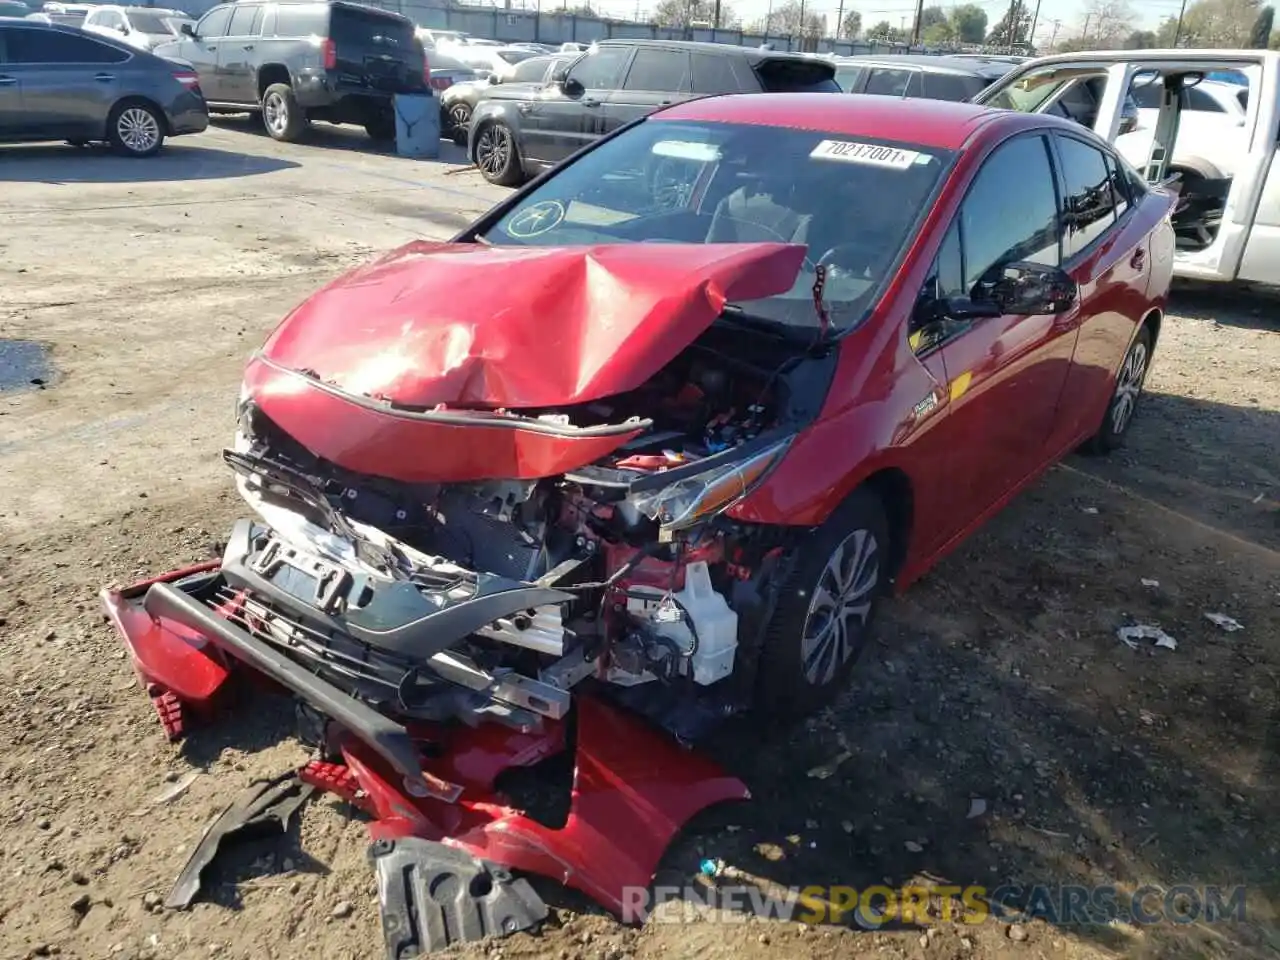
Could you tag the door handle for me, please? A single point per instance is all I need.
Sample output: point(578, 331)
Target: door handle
point(591, 103)
point(8, 81)
point(104, 77)
point(247, 46)
point(524, 108)
point(1138, 259)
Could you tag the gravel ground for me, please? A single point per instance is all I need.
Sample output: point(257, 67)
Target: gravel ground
point(999, 678)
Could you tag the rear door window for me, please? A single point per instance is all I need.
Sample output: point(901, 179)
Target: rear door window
point(951, 86)
point(887, 82)
point(660, 71)
point(1089, 206)
point(797, 76)
point(530, 71)
point(245, 21)
point(714, 74)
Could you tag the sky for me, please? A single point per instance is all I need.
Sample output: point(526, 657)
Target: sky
point(1069, 13)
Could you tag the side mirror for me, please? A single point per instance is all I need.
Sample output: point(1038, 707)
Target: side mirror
point(188, 30)
point(572, 87)
point(1027, 289)
point(494, 78)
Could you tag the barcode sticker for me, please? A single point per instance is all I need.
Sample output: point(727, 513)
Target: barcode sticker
point(868, 153)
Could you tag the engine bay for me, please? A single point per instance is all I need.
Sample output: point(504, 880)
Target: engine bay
point(642, 607)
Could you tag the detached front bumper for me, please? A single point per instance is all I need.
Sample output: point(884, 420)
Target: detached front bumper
point(432, 785)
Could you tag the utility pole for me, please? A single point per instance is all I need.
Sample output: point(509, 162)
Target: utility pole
point(801, 25)
point(1054, 37)
point(840, 19)
point(1177, 31)
point(715, 22)
point(915, 30)
point(1031, 34)
point(1011, 23)
point(1084, 34)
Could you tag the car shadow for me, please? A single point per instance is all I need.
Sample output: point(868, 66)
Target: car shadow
point(63, 163)
point(1235, 305)
point(348, 137)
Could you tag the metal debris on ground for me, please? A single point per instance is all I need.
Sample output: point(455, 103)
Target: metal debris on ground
point(1148, 582)
point(1229, 624)
point(977, 807)
point(1144, 631)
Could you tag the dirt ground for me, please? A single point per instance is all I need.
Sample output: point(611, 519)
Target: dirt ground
point(999, 678)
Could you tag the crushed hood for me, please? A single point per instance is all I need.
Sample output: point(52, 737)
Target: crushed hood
point(468, 325)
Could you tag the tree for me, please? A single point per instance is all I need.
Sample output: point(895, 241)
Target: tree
point(680, 13)
point(930, 16)
point(1003, 35)
point(1110, 23)
point(1260, 35)
point(1140, 40)
point(939, 33)
point(883, 31)
point(785, 21)
point(852, 25)
point(1218, 23)
point(969, 21)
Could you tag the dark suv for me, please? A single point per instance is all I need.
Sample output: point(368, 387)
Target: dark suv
point(518, 130)
point(301, 61)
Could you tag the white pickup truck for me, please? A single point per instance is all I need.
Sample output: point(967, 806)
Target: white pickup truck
point(1227, 220)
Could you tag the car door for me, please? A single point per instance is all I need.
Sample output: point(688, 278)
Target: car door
point(68, 81)
point(201, 51)
point(656, 77)
point(564, 116)
point(237, 75)
point(1004, 374)
point(1105, 249)
point(11, 117)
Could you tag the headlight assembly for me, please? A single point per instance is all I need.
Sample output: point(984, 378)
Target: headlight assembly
point(696, 498)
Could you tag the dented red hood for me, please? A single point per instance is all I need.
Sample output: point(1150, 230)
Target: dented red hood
point(520, 327)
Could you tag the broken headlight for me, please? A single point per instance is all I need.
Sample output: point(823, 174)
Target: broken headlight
point(690, 500)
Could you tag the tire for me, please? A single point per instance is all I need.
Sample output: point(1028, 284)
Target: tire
point(808, 652)
point(459, 120)
point(136, 129)
point(381, 128)
point(284, 119)
point(1124, 400)
point(497, 156)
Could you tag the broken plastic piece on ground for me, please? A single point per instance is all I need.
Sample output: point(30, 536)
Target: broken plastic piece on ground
point(1148, 582)
point(432, 896)
point(825, 770)
point(265, 802)
point(977, 807)
point(1132, 634)
point(1229, 624)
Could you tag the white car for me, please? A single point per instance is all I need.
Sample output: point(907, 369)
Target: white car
point(496, 61)
point(141, 27)
point(1211, 125)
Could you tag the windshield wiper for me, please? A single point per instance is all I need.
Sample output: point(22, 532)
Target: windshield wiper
point(737, 315)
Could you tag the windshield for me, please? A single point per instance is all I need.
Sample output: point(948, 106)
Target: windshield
point(853, 202)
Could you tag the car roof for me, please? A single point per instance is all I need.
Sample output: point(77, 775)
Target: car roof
point(972, 67)
point(941, 124)
point(754, 54)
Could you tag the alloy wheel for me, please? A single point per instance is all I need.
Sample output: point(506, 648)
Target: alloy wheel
point(1128, 387)
point(840, 606)
point(493, 150)
point(138, 129)
point(275, 113)
point(459, 114)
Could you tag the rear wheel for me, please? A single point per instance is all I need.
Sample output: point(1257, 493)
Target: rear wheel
point(459, 120)
point(496, 154)
point(826, 609)
point(281, 115)
point(136, 129)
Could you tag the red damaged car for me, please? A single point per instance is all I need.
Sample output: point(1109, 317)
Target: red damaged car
point(649, 440)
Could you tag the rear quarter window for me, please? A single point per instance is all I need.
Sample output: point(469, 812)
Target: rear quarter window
point(301, 20)
point(797, 76)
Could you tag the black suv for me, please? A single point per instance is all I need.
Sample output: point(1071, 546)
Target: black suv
point(301, 61)
point(518, 130)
